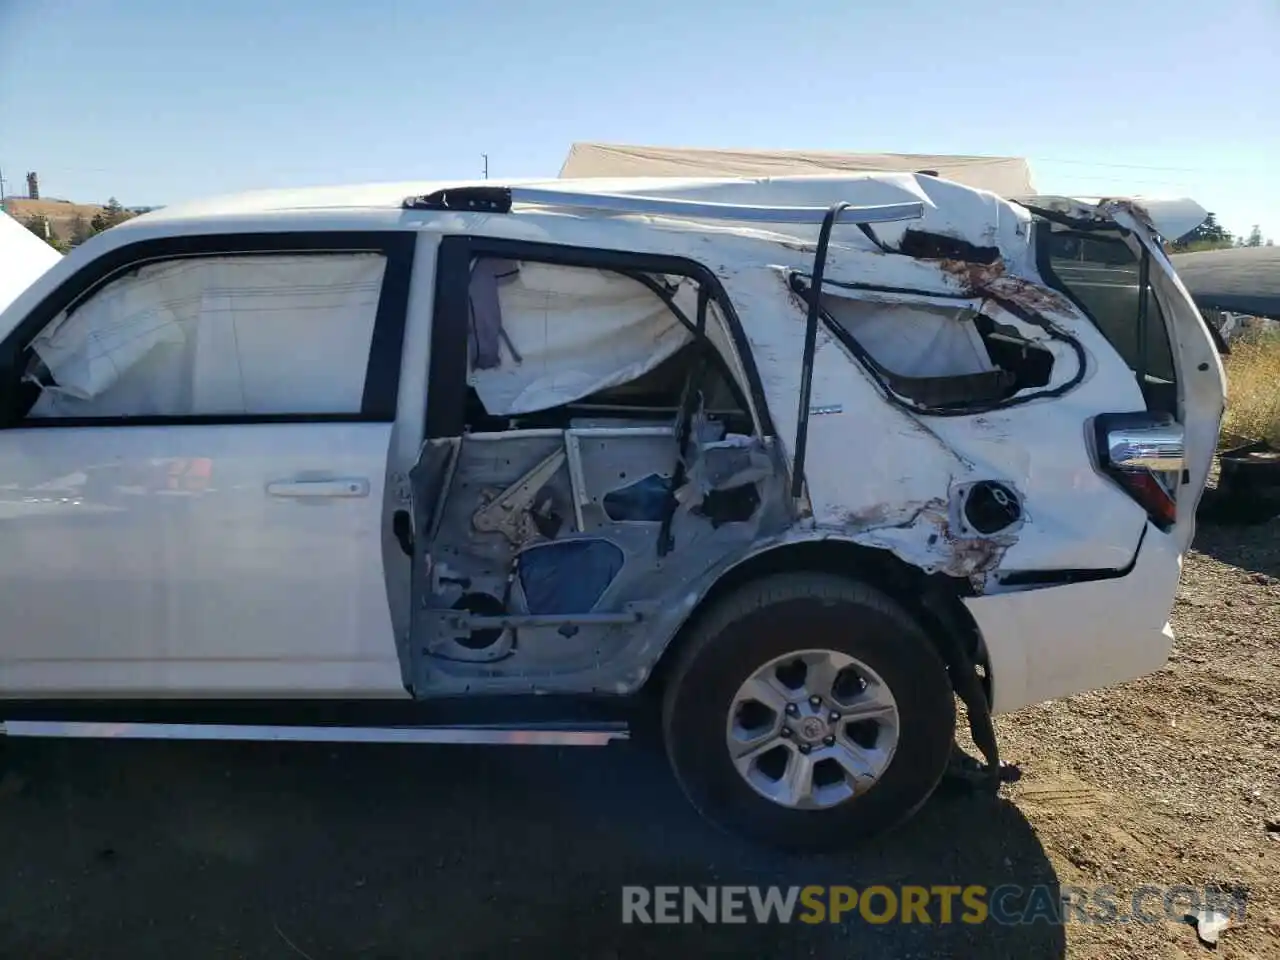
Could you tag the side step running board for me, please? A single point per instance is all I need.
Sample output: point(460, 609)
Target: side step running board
point(593, 735)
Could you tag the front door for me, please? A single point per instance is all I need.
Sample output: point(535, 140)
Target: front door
point(192, 491)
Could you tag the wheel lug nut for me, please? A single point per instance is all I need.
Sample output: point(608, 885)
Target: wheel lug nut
point(792, 709)
point(804, 748)
point(786, 732)
point(829, 741)
point(835, 717)
point(815, 701)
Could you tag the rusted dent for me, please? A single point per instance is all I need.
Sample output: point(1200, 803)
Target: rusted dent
point(882, 516)
point(974, 556)
point(923, 245)
point(971, 556)
point(957, 556)
point(1032, 296)
point(974, 277)
point(990, 279)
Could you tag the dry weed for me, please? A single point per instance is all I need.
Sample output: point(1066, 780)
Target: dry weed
point(1253, 390)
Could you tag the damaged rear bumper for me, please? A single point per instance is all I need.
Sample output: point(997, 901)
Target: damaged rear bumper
point(1056, 641)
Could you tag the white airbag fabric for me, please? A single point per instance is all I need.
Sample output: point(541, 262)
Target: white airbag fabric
point(226, 335)
point(576, 331)
point(913, 341)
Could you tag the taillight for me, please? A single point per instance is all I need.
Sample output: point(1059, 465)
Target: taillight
point(1143, 452)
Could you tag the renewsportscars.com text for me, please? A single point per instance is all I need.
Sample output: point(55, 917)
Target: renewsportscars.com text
point(938, 904)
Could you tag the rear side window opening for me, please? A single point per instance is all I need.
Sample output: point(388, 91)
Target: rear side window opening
point(940, 356)
point(1111, 284)
point(935, 357)
point(943, 355)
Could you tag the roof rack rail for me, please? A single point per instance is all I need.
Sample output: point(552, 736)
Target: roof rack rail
point(481, 199)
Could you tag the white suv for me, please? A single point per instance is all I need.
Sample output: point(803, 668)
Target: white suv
point(483, 463)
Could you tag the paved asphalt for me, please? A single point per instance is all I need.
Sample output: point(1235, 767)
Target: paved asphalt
point(185, 851)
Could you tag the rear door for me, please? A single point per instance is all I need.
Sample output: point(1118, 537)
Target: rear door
point(1123, 280)
point(193, 469)
point(1202, 382)
point(547, 512)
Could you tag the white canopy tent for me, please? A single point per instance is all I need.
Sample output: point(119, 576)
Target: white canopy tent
point(1007, 176)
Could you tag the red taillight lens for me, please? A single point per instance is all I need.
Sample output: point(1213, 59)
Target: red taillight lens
point(1143, 452)
point(1161, 504)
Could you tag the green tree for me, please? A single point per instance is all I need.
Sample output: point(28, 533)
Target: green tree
point(40, 226)
point(81, 230)
point(1210, 235)
point(111, 215)
point(1255, 237)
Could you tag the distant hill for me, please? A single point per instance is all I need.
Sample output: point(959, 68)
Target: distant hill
point(61, 213)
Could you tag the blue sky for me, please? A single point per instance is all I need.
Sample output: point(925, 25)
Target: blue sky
point(156, 101)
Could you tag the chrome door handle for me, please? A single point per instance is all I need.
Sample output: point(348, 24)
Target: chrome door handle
point(341, 487)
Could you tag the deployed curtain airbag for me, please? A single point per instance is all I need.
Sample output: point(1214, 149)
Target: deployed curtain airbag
point(913, 340)
point(562, 333)
point(217, 335)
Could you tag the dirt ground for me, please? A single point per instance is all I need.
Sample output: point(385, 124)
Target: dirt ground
point(1172, 779)
point(138, 850)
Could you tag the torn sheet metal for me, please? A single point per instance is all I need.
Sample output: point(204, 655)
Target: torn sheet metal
point(875, 453)
point(1170, 218)
point(735, 463)
point(722, 472)
point(935, 534)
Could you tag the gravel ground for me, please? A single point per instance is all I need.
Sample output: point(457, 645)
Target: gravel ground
point(138, 850)
point(1172, 779)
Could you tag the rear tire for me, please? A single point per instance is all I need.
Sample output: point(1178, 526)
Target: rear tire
point(812, 616)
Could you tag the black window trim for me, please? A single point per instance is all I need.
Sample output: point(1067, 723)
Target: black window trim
point(447, 382)
point(382, 372)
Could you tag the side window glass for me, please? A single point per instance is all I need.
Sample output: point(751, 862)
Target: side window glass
point(207, 336)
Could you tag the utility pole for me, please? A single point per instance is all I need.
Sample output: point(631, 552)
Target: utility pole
point(1, 189)
point(486, 165)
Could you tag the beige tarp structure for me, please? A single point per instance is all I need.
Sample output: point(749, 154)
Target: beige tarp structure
point(1008, 176)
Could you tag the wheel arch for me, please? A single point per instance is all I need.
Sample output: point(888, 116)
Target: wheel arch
point(934, 599)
